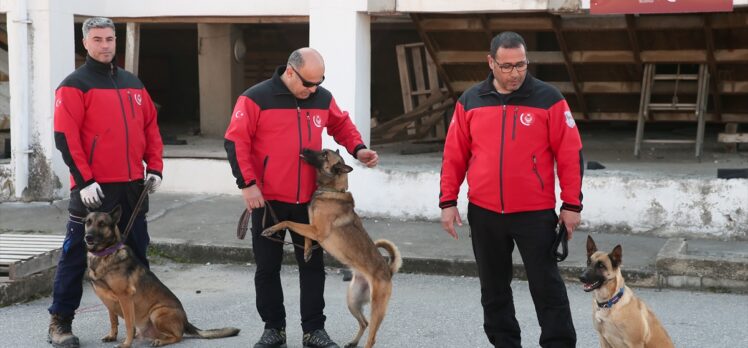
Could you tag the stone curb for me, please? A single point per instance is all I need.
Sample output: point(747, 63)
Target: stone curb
point(678, 269)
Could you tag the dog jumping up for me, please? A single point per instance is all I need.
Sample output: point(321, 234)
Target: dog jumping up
point(131, 291)
point(338, 229)
point(621, 319)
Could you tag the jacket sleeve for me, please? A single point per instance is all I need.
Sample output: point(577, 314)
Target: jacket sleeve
point(68, 119)
point(456, 157)
point(342, 129)
point(238, 141)
point(567, 149)
point(154, 149)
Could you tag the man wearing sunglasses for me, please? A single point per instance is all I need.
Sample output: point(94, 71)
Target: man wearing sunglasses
point(272, 123)
point(507, 135)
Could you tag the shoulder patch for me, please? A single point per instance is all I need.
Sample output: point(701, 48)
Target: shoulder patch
point(569, 119)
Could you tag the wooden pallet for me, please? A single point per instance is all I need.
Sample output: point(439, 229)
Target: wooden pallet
point(22, 255)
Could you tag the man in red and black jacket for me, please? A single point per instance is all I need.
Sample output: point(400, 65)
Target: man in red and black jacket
point(507, 134)
point(105, 128)
point(272, 122)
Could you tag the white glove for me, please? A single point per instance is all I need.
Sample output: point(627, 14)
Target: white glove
point(156, 182)
point(91, 195)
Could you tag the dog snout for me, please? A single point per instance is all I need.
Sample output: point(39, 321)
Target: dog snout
point(584, 277)
point(89, 238)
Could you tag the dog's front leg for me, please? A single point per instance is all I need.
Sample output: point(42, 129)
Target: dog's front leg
point(128, 312)
point(113, 323)
point(275, 228)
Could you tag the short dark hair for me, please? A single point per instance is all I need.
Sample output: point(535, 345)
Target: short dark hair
point(507, 39)
point(296, 59)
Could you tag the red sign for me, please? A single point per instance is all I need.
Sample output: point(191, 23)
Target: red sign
point(658, 6)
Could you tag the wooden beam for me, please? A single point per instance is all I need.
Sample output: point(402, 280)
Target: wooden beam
point(587, 22)
point(132, 48)
point(569, 64)
point(451, 24)
point(712, 66)
point(486, 27)
point(634, 42)
point(516, 23)
point(211, 19)
point(732, 138)
point(432, 51)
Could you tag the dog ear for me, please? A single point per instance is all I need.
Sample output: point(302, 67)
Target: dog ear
point(116, 213)
point(337, 151)
point(616, 256)
point(591, 247)
point(341, 168)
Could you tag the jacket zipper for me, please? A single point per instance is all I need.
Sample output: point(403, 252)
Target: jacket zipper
point(537, 174)
point(124, 119)
point(514, 123)
point(308, 127)
point(501, 158)
point(132, 106)
point(264, 169)
point(93, 147)
point(298, 177)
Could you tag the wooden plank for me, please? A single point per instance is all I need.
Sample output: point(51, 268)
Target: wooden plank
point(210, 19)
point(50, 245)
point(451, 24)
point(609, 56)
point(9, 236)
point(132, 47)
point(405, 88)
point(39, 263)
point(730, 128)
point(586, 22)
point(518, 23)
point(732, 138)
point(3, 250)
point(634, 42)
point(419, 110)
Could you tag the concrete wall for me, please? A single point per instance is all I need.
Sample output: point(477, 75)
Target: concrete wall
point(707, 208)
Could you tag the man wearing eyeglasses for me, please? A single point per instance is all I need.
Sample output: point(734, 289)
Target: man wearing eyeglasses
point(272, 122)
point(507, 134)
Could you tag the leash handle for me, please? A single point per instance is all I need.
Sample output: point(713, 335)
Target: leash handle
point(561, 239)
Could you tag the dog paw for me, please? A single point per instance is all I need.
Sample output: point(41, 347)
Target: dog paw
point(122, 345)
point(351, 345)
point(268, 232)
point(307, 255)
point(109, 338)
point(156, 343)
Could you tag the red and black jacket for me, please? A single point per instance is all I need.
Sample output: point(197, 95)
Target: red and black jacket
point(508, 145)
point(105, 126)
point(269, 128)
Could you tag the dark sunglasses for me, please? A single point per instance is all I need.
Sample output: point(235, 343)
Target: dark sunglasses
point(308, 84)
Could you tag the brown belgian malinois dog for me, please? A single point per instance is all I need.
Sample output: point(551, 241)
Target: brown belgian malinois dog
point(620, 318)
point(131, 291)
point(338, 229)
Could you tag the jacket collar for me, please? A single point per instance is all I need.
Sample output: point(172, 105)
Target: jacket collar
point(486, 87)
point(278, 86)
point(102, 68)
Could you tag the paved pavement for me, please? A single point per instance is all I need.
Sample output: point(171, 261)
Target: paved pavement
point(202, 228)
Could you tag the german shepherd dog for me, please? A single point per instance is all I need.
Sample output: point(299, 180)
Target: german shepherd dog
point(620, 318)
point(338, 229)
point(131, 291)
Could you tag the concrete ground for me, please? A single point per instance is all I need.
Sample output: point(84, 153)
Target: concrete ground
point(425, 311)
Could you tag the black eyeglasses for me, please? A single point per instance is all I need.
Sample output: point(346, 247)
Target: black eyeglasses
point(308, 84)
point(507, 68)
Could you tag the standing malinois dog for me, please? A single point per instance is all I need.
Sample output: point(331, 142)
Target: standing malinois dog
point(334, 224)
point(620, 318)
point(131, 291)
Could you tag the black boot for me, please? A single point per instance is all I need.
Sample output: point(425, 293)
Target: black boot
point(272, 338)
point(61, 332)
point(318, 339)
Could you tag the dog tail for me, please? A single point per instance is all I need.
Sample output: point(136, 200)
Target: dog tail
point(396, 261)
point(212, 333)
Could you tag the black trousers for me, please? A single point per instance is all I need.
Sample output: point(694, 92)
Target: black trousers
point(493, 238)
point(268, 256)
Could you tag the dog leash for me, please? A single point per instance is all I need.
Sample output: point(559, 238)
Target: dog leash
point(244, 219)
point(562, 239)
point(136, 210)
